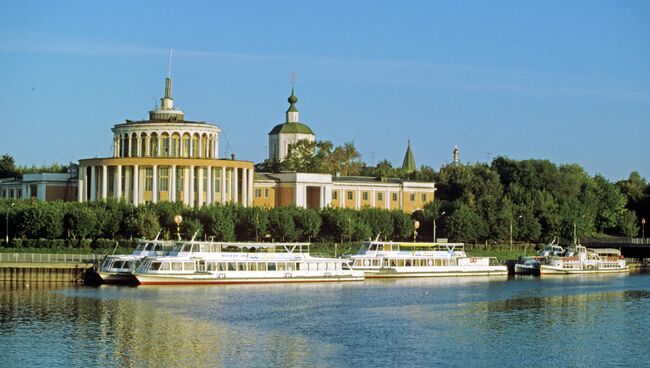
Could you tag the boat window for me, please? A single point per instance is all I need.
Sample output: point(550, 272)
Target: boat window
point(241, 266)
point(373, 247)
point(252, 266)
point(261, 266)
point(177, 266)
point(221, 266)
point(189, 266)
point(282, 266)
point(127, 264)
point(117, 264)
point(375, 262)
point(407, 263)
point(210, 266)
point(231, 266)
point(272, 266)
point(400, 263)
point(155, 266)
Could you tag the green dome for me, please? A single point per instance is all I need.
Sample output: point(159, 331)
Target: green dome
point(291, 128)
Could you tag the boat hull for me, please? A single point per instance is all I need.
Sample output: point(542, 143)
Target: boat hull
point(117, 278)
point(549, 270)
point(396, 273)
point(147, 279)
point(526, 270)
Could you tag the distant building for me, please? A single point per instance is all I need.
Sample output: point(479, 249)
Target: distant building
point(408, 164)
point(44, 186)
point(291, 131)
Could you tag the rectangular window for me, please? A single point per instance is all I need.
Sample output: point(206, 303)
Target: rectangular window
point(350, 196)
point(412, 197)
point(365, 196)
point(174, 147)
point(266, 193)
point(153, 146)
point(380, 196)
point(163, 179)
point(186, 146)
point(258, 193)
point(217, 180)
point(394, 197)
point(179, 181)
point(424, 197)
point(148, 179)
point(335, 194)
point(205, 179)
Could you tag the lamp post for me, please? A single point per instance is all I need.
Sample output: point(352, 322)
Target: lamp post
point(7, 226)
point(178, 219)
point(416, 226)
point(643, 228)
point(434, 227)
point(520, 216)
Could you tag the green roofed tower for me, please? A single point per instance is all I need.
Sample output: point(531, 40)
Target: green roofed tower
point(289, 132)
point(409, 160)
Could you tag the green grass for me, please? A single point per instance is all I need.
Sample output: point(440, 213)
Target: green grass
point(120, 250)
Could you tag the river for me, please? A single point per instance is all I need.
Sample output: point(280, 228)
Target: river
point(576, 321)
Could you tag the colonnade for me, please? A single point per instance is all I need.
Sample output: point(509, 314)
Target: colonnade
point(192, 185)
point(166, 144)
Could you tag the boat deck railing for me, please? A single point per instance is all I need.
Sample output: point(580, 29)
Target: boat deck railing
point(50, 258)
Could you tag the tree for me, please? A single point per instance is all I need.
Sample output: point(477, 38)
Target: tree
point(628, 223)
point(281, 225)
point(465, 225)
point(8, 167)
point(402, 225)
point(251, 224)
point(218, 221)
point(308, 223)
point(79, 221)
point(380, 222)
point(337, 224)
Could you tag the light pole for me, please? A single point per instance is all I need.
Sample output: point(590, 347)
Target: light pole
point(7, 226)
point(178, 219)
point(416, 225)
point(643, 228)
point(434, 227)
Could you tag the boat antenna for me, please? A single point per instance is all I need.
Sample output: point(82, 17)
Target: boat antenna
point(157, 235)
point(377, 238)
point(115, 249)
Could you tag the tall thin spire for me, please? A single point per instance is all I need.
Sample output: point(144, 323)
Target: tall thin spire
point(456, 154)
point(292, 114)
point(166, 110)
point(168, 80)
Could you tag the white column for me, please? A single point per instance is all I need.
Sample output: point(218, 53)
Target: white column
point(147, 145)
point(210, 189)
point(104, 182)
point(154, 187)
point(322, 197)
point(172, 185)
point(159, 137)
point(81, 182)
point(358, 198)
point(186, 185)
point(128, 174)
point(235, 185)
point(372, 198)
point(93, 182)
point(138, 148)
point(200, 149)
point(41, 192)
point(136, 185)
point(244, 187)
point(192, 188)
point(223, 184)
point(250, 186)
point(200, 187)
point(387, 199)
point(118, 182)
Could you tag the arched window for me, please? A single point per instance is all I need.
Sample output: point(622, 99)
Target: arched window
point(134, 145)
point(143, 145)
point(204, 146)
point(195, 145)
point(153, 145)
point(186, 145)
point(164, 149)
point(174, 148)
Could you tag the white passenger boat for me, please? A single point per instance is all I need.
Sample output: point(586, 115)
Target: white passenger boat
point(232, 263)
point(580, 260)
point(394, 259)
point(118, 269)
point(531, 265)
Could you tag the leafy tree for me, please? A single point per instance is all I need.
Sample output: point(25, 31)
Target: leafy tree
point(79, 221)
point(251, 223)
point(218, 221)
point(402, 225)
point(465, 225)
point(281, 225)
point(628, 224)
point(308, 223)
point(8, 167)
point(337, 224)
point(380, 222)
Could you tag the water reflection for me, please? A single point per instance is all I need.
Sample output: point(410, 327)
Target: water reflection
point(475, 321)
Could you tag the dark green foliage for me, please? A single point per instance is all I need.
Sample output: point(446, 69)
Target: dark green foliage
point(308, 223)
point(281, 225)
point(251, 223)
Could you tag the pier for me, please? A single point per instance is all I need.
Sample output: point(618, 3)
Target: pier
point(37, 267)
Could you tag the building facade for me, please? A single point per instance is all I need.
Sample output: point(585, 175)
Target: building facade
point(166, 158)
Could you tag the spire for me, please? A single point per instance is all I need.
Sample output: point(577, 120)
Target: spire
point(166, 110)
point(456, 160)
point(292, 113)
point(409, 160)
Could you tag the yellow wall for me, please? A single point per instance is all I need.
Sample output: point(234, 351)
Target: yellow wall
point(263, 200)
point(350, 202)
point(365, 202)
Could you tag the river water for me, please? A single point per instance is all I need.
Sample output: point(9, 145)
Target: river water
point(577, 321)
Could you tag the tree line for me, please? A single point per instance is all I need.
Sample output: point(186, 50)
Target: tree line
point(33, 219)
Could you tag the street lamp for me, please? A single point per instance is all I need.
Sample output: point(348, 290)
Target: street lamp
point(7, 226)
point(520, 216)
point(643, 228)
point(416, 226)
point(178, 219)
point(434, 227)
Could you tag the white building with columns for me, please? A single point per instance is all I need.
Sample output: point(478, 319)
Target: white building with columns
point(166, 158)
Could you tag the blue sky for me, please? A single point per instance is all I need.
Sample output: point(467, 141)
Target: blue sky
point(567, 81)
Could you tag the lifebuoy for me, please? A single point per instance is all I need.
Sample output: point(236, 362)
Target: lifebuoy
point(430, 263)
point(366, 262)
point(473, 260)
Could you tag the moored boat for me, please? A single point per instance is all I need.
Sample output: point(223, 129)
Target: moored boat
point(531, 265)
point(118, 269)
point(580, 260)
point(233, 263)
point(379, 259)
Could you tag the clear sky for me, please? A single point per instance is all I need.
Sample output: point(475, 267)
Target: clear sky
point(567, 81)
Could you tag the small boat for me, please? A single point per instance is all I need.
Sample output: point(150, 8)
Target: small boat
point(531, 265)
point(239, 263)
point(379, 259)
point(581, 260)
